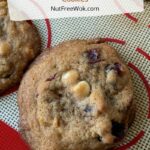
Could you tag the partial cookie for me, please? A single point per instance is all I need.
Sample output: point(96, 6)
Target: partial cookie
point(3, 7)
point(76, 96)
point(19, 45)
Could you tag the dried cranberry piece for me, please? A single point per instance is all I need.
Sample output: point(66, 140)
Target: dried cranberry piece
point(118, 68)
point(52, 77)
point(118, 129)
point(93, 56)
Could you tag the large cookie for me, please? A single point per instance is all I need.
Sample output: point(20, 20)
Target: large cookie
point(76, 96)
point(19, 45)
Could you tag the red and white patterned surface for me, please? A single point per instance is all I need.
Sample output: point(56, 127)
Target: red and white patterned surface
point(130, 35)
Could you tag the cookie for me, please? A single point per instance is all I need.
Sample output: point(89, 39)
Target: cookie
point(76, 96)
point(3, 7)
point(19, 45)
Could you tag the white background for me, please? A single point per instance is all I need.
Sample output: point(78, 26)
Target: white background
point(41, 9)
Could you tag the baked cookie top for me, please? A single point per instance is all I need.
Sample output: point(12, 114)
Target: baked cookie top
point(76, 96)
point(19, 44)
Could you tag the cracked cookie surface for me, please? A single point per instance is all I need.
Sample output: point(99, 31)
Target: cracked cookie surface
point(76, 96)
point(19, 44)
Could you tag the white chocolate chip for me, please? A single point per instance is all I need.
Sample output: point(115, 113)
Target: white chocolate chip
point(70, 77)
point(81, 89)
point(4, 49)
point(111, 77)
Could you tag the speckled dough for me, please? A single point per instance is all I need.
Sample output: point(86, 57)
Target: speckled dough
point(19, 44)
point(76, 96)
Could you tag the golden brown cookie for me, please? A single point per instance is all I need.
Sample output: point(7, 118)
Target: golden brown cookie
point(19, 45)
point(76, 96)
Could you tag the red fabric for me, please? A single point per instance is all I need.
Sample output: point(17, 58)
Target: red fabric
point(146, 55)
point(131, 17)
point(11, 139)
point(132, 142)
point(107, 39)
point(147, 86)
